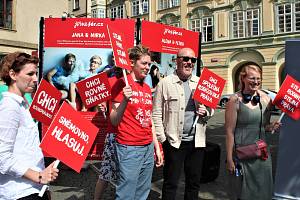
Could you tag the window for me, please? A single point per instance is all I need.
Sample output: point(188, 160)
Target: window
point(176, 24)
point(205, 26)
point(76, 5)
point(297, 16)
point(98, 13)
point(163, 4)
point(6, 14)
point(288, 17)
point(139, 7)
point(245, 23)
point(135, 8)
point(101, 13)
point(252, 23)
point(284, 14)
point(145, 6)
point(117, 11)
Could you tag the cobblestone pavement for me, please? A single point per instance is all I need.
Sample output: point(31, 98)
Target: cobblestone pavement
point(72, 186)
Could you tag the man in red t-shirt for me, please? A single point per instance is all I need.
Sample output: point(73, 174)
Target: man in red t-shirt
point(131, 114)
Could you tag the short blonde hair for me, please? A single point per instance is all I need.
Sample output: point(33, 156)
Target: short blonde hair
point(244, 73)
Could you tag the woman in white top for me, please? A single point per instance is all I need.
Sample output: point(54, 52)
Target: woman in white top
point(22, 170)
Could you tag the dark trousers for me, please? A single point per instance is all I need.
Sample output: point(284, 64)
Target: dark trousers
point(189, 157)
point(35, 197)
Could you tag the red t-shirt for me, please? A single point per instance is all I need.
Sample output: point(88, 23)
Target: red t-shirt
point(135, 127)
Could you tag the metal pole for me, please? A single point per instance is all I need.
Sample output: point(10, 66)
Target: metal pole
point(198, 72)
point(41, 58)
point(138, 31)
point(41, 47)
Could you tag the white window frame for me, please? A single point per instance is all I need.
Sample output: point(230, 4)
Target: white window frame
point(203, 25)
point(76, 4)
point(250, 22)
point(164, 4)
point(135, 5)
point(94, 13)
point(139, 7)
point(284, 16)
point(297, 17)
point(101, 13)
point(242, 26)
point(145, 6)
point(292, 18)
point(117, 11)
point(98, 13)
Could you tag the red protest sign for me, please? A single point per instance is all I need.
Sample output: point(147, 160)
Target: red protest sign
point(168, 39)
point(94, 90)
point(288, 97)
point(120, 47)
point(45, 102)
point(209, 88)
point(70, 137)
point(84, 32)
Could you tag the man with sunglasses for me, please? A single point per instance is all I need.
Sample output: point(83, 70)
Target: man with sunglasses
point(174, 112)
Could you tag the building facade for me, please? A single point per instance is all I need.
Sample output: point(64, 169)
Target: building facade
point(234, 32)
point(87, 8)
point(19, 22)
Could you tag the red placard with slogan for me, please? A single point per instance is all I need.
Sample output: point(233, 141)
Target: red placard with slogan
point(120, 47)
point(45, 102)
point(70, 137)
point(94, 90)
point(84, 32)
point(168, 39)
point(288, 97)
point(209, 88)
point(98, 119)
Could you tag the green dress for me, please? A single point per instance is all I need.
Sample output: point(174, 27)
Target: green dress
point(257, 182)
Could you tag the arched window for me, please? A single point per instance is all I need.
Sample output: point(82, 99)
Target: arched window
point(170, 19)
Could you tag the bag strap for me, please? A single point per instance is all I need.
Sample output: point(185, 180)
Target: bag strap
point(260, 124)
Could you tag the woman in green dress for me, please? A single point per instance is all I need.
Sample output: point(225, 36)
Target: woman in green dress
point(247, 118)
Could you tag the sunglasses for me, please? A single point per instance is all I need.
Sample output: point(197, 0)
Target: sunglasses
point(186, 59)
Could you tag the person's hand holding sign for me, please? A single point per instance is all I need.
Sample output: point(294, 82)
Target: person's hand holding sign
point(274, 126)
point(127, 92)
point(48, 175)
point(201, 111)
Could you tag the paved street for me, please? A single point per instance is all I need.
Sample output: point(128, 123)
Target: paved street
point(71, 186)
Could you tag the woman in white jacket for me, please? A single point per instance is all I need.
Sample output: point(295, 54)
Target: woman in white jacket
point(22, 170)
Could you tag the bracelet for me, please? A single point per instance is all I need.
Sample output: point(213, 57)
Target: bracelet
point(40, 178)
